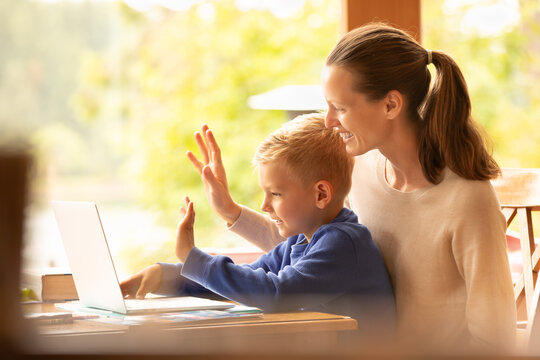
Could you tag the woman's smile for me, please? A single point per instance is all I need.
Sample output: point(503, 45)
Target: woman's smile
point(346, 135)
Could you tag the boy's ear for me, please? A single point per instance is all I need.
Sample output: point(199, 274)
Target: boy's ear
point(324, 193)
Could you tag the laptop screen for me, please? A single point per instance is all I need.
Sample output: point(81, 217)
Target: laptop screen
point(88, 255)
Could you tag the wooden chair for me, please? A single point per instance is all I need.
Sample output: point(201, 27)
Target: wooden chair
point(532, 336)
point(519, 194)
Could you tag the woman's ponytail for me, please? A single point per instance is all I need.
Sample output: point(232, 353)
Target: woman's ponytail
point(448, 136)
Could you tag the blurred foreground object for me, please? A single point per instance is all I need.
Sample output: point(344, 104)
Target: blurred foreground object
point(14, 166)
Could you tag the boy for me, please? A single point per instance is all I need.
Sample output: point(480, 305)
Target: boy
point(328, 263)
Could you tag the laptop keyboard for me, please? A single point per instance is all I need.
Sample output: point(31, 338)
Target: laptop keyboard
point(149, 303)
point(181, 303)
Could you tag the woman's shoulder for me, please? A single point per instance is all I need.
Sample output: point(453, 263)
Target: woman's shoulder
point(466, 193)
point(476, 188)
point(464, 206)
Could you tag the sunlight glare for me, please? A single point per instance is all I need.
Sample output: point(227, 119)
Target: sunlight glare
point(485, 18)
point(279, 8)
point(315, 21)
point(147, 5)
point(206, 10)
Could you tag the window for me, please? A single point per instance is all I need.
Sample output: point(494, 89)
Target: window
point(109, 95)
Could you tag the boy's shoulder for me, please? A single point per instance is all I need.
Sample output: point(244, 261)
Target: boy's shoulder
point(342, 241)
point(347, 221)
point(345, 227)
point(346, 231)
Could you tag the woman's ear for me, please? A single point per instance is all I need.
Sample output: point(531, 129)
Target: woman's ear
point(324, 193)
point(394, 104)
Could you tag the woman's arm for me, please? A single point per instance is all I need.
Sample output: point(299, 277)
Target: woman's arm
point(257, 228)
point(480, 250)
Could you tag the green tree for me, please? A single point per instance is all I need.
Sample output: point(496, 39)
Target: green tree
point(174, 71)
point(501, 70)
point(41, 48)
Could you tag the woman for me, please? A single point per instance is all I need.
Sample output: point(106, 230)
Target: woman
point(420, 184)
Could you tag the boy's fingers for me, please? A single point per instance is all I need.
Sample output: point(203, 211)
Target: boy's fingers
point(204, 131)
point(202, 146)
point(190, 208)
point(196, 162)
point(143, 289)
point(215, 151)
point(141, 293)
point(186, 211)
point(125, 287)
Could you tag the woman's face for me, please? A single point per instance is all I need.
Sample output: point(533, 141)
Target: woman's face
point(360, 122)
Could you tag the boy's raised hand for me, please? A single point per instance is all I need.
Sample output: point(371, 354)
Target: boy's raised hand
point(213, 176)
point(185, 240)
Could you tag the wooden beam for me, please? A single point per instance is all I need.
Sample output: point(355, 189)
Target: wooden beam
point(403, 14)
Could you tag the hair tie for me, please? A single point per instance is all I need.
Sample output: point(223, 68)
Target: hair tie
point(429, 56)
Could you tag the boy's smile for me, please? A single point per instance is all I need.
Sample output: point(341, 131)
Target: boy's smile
point(288, 202)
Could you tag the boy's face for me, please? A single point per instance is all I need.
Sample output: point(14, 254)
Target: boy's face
point(290, 204)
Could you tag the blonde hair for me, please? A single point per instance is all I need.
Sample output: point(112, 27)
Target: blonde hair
point(311, 152)
point(384, 58)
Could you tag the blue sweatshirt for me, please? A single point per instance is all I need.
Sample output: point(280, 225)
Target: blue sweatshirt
point(339, 271)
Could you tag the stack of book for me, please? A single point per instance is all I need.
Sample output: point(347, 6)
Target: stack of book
point(51, 285)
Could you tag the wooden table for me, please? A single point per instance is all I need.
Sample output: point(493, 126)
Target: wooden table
point(290, 333)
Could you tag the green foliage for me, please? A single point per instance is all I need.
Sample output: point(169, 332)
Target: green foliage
point(180, 71)
point(41, 47)
point(502, 74)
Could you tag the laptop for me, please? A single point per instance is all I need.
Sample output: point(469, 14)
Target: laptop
point(93, 269)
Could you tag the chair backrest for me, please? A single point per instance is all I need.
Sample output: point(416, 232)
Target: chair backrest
point(518, 191)
point(518, 188)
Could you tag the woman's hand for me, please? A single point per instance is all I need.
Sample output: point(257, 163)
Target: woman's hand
point(213, 176)
point(145, 281)
point(185, 241)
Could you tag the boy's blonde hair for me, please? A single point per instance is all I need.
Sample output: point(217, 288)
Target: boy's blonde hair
point(311, 152)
